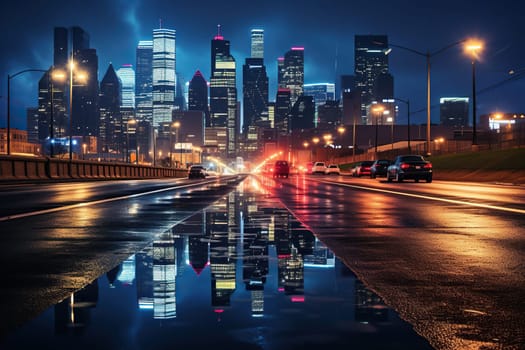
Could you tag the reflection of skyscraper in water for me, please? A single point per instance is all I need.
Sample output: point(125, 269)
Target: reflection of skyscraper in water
point(254, 252)
point(294, 274)
point(368, 306)
point(321, 256)
point(198, 242)
point(127, 273)
point(74, 313)
point(113, 274)
point(144, 277)
point(164, 273)
point(222, 261)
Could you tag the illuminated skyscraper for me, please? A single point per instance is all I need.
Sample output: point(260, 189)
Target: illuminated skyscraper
point(282, 111)
point(453, 111)
point(110, 135)
point(293, 75)
point(370, 63)
point(198, 96)
point(255, 92)
point(126, 75)
point(321, 92)
point(144, 82)
point(85, 93)
point(164, 77)
point(257, 47)
point(223, 93)
point(280, 72)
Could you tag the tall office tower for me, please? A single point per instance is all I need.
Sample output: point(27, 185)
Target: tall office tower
point(126, 75)
point(302, 114)
point(453, 111)
point(329, 115)
point(110, 135)
point(321, 92)
point(280, 72)
point(60, 45)
point(370, 62)
point(282, 111)
point(293, 77)
point(180, 100)
point(198, 96)
point(164, 77)
point(32, 125)
point(144, 81)
point(257, 47)
point(384, 86)
point(255, 93)
point(51, 107)
point(84, 114)
point(223, 92)
point(347, 84)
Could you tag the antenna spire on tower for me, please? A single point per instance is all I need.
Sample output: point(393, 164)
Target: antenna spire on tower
point(219, 36)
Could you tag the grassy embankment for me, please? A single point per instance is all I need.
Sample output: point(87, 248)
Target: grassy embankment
point(485, 166)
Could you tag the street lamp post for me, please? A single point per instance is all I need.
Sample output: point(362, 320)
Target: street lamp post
point(315, 140)
point(176, 125)
point(131, 121)
point(341, 130)
point(408, 120)
point(427, 55)
point(472, 47)
point(379, 110)
point(9, 77)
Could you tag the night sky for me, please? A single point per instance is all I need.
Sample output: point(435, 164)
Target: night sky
point(325, 28)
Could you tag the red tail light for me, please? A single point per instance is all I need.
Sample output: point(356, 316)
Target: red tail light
point(405, 165)
point(428, 166)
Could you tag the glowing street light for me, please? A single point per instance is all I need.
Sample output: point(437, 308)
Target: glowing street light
point(473, 49)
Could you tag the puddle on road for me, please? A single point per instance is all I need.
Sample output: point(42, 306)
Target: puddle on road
point(241, 274)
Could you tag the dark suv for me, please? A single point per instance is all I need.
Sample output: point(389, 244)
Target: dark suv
point(281, 169)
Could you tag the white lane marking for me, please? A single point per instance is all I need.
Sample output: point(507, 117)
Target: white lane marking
point(420, 196)
point(85, 204)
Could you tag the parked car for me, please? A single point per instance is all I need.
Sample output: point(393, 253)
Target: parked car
point(318, 168)
point(281, 168)
point(412, 166)
point(332, 169)
point(362, 168)
point(197, 172)
point(379, 168)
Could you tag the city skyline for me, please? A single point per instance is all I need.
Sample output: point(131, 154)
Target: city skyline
point(325, 29)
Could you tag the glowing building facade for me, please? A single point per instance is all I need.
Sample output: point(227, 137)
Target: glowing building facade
point(164, 77)
point(126, 75)
point(144, 81)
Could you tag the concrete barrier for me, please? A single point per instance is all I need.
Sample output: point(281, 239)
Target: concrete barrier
point(36, 168)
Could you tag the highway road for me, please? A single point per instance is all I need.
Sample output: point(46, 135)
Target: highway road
point(448, 256)
point(59, 237)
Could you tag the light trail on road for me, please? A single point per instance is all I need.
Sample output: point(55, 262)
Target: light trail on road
point(420, 196)
point(100, 201)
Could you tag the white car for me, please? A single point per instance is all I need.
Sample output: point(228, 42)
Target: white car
point(332, 169)
point(318, 168)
